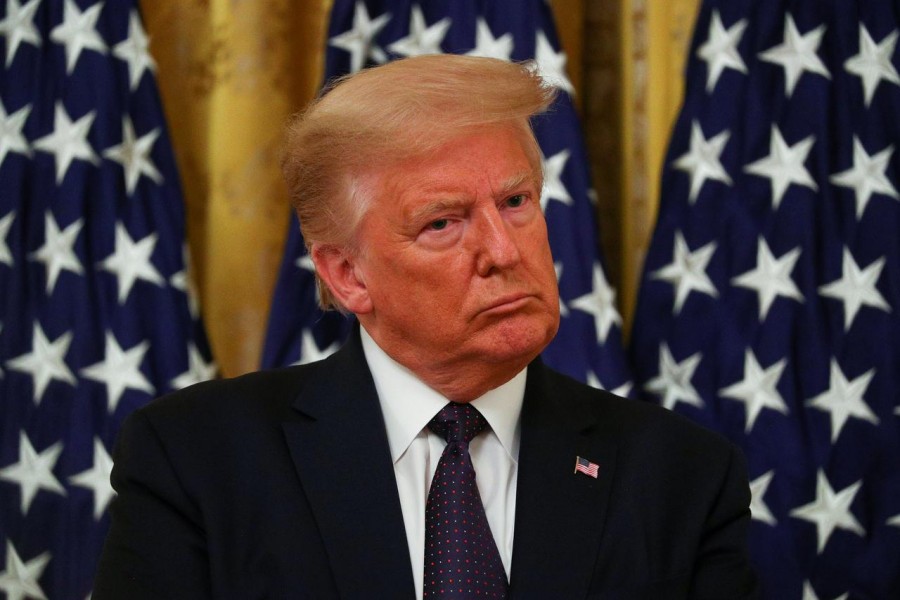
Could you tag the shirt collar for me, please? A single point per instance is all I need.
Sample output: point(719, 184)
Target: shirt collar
point(407, 403)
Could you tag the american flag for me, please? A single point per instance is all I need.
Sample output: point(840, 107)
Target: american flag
point(770, 302)
point(589, 344)
point(583, 465)
point(97, 314)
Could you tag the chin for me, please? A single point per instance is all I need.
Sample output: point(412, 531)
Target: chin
point(515, 341)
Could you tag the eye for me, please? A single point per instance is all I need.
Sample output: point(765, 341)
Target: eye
point(438, 225)
point(516, 201)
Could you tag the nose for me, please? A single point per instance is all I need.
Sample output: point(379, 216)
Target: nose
point(496, 246)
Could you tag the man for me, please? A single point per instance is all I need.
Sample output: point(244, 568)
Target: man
point(417, 185)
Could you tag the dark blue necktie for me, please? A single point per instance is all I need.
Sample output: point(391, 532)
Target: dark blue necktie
point(461, 557)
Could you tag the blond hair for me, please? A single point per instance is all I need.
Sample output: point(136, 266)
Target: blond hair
point(387, 113)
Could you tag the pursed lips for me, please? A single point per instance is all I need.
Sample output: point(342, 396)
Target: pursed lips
point(508, 302)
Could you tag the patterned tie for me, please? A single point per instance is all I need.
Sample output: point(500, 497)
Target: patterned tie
point(461, 557)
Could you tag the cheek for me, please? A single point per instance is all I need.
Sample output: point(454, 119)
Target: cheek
point(538, 249)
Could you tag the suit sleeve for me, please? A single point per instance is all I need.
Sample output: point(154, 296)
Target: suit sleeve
point(723, 567)
point(156, 546)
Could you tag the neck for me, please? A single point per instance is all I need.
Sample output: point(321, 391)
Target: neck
point(466, 383)
point(456, 379)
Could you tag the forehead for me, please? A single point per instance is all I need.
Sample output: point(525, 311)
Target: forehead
point(492, 159)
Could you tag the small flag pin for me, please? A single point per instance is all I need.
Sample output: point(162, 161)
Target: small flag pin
point(587, 467)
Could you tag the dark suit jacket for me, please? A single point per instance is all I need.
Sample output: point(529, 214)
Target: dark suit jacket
point(280, 485)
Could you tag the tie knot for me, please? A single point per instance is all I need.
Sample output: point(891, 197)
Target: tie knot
point(458, 422)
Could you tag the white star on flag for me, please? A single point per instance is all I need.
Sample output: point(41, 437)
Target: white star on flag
point(759, 511)
point(563, 309)
point(810, 594)
point(600, 303)
point(358, 41)
point(198, 369)
point(552, 64)
point(673, 380)
point(797, 54)
point(867, 176)
point(771, 277)
point(687, 271)
point(135, 50)
point(830, 510)
point(120, 370)
point(134, 155)
point(554, 188)
point(856, 287)
point(784, 165)
point(422, 39)
point(131, 261)
point(34, 471)
point(720, 49)
point(873, 62)
point(5, 225)
point(45, 362)
point(306, 262)
point(20, 579)
point(96, 479)
point(18, 27)
point(758, 388)
point(78, 32)
point(489, 46)
point(844, 399)
point(11, 138)
point(894, 521)
point(623, 390)
point(68, 140)
point(701, 161)
point(309, 349)
point(183, 281)
point(58, 253)
point(594, 381)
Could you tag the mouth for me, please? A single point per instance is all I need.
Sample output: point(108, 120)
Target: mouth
point(508, 303)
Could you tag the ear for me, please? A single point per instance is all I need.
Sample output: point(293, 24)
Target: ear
point(338, 268)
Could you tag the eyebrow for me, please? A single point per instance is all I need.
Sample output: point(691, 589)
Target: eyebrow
point(516, 181)
point(445, 204)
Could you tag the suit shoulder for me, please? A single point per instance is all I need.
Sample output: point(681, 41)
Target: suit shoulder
point(260, 391)
point(633, 420)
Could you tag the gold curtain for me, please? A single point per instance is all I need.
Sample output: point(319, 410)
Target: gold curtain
point(230, 74)
point(634, 63)
point(232, 71)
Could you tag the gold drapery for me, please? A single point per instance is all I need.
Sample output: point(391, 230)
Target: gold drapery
point(232, 71)
point(635, 56)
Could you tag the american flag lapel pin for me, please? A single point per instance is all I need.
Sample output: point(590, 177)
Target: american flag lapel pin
point(585, 466)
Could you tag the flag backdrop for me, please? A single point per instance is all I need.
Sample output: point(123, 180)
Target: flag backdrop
point(589, 345)
point(96, 308)
point(770, 301)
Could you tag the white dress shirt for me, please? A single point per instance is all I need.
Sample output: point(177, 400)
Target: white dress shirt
point(408, 404)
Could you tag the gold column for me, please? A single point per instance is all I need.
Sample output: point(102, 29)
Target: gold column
point(231, 72)
point(569, 16)
point(635, 59)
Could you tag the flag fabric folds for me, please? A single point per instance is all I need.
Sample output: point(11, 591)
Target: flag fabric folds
point(589, 344)
point(770, 301)
point(96, 310)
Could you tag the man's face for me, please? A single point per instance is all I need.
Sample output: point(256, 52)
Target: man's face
point(454, 257)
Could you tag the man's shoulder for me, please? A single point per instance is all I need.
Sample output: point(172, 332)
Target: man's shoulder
point(631, 421)
point(269, 392)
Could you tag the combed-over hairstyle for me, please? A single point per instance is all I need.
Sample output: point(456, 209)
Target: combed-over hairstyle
point(388, 113)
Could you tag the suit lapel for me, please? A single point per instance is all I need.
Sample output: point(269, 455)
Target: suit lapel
point(559, 513)
point(341, 454)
